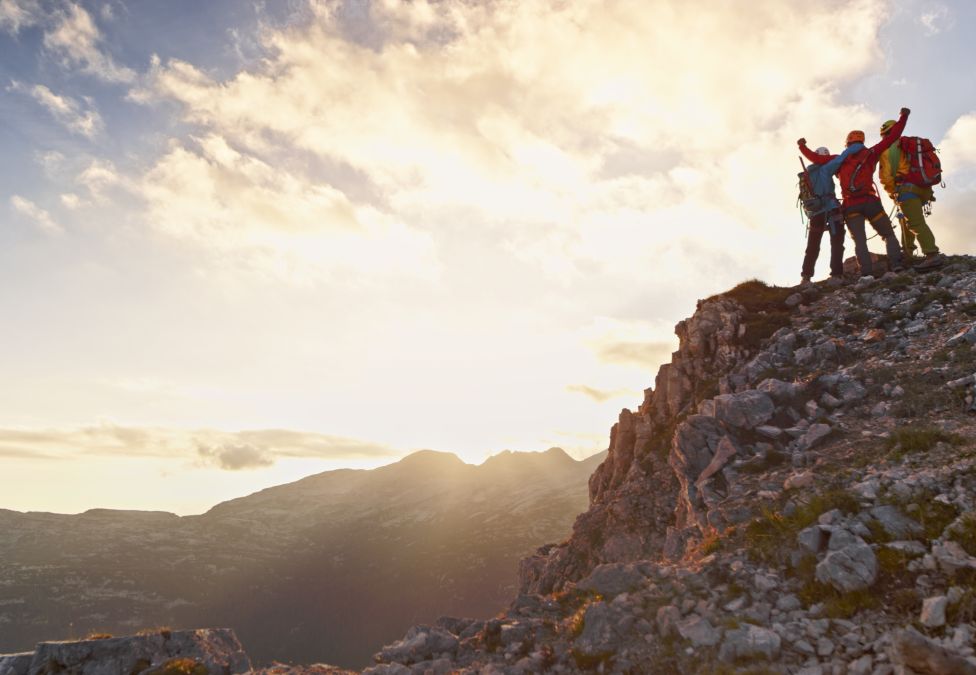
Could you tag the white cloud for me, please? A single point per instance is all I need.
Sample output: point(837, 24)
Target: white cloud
point(958, 148)
point(72, 201)
point(76, 116)
point(39, 216)
point(74, 38)
point(518, 118)
point(17, 14)
point(225, 449)
point(936, 18)
point(267, 219)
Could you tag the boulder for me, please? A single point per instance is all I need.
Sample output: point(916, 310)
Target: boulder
point(421, 643)
point(699, 631)
point(850, 566)
point(911, 649)
point(750, 642)
point(745, 410)
point(612, 579)
point(895, 523)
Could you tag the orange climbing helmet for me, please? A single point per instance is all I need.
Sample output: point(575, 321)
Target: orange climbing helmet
point(855, 136)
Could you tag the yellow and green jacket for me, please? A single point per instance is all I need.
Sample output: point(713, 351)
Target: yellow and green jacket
point(893, 167)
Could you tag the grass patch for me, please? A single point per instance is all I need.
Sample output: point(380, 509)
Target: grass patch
point(963, 532)
point(98, 636)
point(766, 310)
point(963, 611)
point(910, 440)
point(939, 295)
point(770, 535)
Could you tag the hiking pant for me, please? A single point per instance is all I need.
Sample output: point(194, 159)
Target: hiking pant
point(911, 199)
point(818, 225)
point(873, 211)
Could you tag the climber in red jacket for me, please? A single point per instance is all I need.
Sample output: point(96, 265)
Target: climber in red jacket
point(860, 199)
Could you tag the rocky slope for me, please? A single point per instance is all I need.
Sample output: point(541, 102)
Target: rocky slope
point(794, 495)
point(326, 568)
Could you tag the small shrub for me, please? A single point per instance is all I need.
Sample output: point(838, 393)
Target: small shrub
point(98, 636)
point(180, 666)
point(910, 440)
point(934, 516)
point(766, 310)
point(939, 295)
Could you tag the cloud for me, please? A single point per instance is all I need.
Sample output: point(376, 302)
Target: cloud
point(526, 122)
point(599, 395)
point(76, 116)
point(958, 147)
point(935, 19)
point(207, 447)
point(39, 216)
point(644, 354)
point(17, 14)
point(261, 217)
point(75, 40)
point(236, 457)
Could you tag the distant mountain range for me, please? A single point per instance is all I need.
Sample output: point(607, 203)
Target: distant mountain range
point(324, 569)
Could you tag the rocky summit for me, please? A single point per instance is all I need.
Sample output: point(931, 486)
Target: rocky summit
point(795, 494)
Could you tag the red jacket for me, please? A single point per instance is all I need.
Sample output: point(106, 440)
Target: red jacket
point(863, 162)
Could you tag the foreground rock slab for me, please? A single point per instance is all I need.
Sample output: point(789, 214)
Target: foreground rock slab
point(216, 649)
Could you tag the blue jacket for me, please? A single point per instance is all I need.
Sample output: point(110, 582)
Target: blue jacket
point(822, 177)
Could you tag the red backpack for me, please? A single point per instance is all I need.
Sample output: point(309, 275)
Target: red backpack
point(856, 175)
point(924, 165)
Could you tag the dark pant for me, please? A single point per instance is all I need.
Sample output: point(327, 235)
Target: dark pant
point(818, 225)
point(874, 212)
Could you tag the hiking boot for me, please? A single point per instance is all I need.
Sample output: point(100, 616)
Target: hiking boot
point(932, 261)
point(805, 280)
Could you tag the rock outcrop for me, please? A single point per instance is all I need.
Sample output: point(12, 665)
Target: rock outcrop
point(795, 490)
point(163, 652)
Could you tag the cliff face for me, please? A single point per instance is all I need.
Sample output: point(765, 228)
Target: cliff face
point(796, 489)
point(641, 504)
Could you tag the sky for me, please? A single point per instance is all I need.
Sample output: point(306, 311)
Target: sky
point(241, 243)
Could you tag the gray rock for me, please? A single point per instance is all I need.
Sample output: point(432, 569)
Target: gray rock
point(895, 523)
point(851, 390)
point(933, 612)
point(965, 335)
point(15, 664)
point(769, 431)
point(794, 300)
point(911, 649)
point(667, 619)
point(812, 435)
point(746, 410)
point(599, 634)
point(612, 579)
point(699, 631)
point(803, 356)
point(725, 451)
point(750, 642)
point(848, 567)
point(778, 390)
point(216, 649)
point(812, 539)
point(421, 643)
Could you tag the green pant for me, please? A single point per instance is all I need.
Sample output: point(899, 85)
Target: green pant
point(911, 199)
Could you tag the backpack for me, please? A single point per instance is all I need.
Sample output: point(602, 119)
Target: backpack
point(924, 165)
point(816, 201)
point(861, 179)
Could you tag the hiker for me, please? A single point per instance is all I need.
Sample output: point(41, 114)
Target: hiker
point(895, 171)
point(860, 199)
point(824, 212)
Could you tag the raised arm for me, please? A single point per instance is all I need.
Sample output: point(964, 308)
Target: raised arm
point(811, 155)
point(894, 133)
